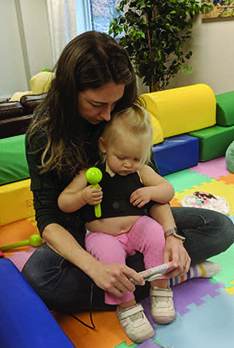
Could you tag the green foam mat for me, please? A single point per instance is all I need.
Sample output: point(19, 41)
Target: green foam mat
point(225, 109)
point(213, 141)
point(225, 260)
point(13, 163)
point(185, 179)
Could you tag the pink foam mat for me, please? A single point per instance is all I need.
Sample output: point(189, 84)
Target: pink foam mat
point(20, 256)
point(212, 169)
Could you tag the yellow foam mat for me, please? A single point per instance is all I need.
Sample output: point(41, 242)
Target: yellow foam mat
point(184, 109)
point(16, 202)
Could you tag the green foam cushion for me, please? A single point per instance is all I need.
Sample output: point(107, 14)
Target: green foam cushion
point(13, 163)
point(225, 109)
point(213, 141)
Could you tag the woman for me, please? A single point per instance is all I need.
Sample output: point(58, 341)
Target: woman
point(94, 76)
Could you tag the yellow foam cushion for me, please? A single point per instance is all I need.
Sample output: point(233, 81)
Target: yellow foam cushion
point(16, 202)
point(157, 130)
point(181, 110)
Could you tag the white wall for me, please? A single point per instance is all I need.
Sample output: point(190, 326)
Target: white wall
point(12, 70)
point(36, 27)
point(213, 57)
point(25, 47)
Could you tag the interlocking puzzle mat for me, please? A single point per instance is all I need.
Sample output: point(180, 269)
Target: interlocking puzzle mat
point(205, 307)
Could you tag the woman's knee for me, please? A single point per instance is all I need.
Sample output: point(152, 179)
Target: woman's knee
point(224, 231)
point(212, 237)
point(43, 268)
point(212, 222)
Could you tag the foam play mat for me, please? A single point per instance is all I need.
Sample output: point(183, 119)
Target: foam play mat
point(205, 307)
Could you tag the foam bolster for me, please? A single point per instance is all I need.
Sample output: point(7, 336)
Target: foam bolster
point(184, 109)
point(225, 109)
point(13, 159)
point(26, 321)
point(16, 202)
point(157, 130)
point(213, 141)
point(176, 153)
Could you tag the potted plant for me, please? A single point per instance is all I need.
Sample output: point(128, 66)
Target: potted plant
point(155, 33)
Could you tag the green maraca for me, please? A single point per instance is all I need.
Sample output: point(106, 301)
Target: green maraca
point(35, 240)
point(94, 176)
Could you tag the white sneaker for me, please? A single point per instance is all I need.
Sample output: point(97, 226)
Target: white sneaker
point(135, 324)
point(162, 305)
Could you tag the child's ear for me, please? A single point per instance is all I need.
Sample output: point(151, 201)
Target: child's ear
point(102, 145)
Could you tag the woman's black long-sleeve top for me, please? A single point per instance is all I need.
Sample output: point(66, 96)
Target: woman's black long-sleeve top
point(46, 187)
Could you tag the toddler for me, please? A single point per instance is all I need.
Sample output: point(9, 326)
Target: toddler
point(129, 188)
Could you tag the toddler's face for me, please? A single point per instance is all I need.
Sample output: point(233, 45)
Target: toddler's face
point(125, 157)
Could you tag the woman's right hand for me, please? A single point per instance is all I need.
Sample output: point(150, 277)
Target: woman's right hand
point(116, 279)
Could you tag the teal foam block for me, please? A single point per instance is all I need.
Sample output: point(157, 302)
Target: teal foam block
point(13, 163)
point(229, 157)
point(213, 141)
point(225, 109)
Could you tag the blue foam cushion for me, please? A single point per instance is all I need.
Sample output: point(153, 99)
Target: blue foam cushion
point(176, 153)
point(25, 319)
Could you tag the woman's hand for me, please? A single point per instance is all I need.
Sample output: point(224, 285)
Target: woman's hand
point(92, 196)
point(175, 251)
point(116, 279)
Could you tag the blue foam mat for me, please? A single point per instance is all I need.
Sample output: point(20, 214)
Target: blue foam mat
point(213, 320)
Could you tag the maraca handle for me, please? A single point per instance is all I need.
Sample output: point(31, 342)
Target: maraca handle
point(97, 210)
point(14, 245)
point(97, 207)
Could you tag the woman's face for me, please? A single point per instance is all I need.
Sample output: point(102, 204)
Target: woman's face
point(96, 105)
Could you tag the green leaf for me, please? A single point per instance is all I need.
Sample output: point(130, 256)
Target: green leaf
point(188, 70)
point(156, 33)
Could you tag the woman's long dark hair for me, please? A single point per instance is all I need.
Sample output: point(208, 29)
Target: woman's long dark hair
point(89, 61)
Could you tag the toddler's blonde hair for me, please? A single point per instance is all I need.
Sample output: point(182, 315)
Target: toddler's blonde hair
point(134, 122)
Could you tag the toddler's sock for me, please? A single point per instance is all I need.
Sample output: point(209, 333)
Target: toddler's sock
point(206, 269)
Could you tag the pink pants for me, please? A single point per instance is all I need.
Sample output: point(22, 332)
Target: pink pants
point(146, 236)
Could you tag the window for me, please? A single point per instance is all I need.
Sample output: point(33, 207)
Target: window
point(95, 14)
point(102, 12)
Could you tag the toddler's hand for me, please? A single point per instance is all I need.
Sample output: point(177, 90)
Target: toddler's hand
point(140, 197)
point(92, 196)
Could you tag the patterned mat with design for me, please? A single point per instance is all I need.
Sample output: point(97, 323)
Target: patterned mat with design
point(205, 307)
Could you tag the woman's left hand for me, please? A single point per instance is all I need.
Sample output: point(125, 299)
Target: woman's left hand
point(175, 251)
